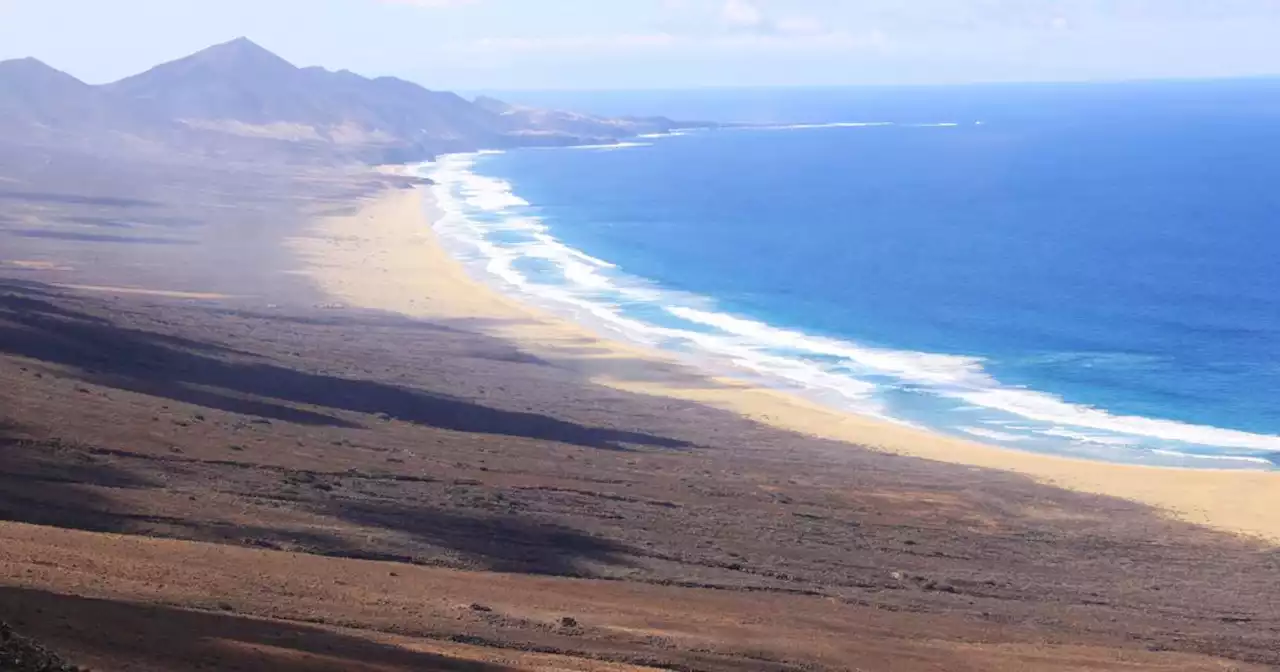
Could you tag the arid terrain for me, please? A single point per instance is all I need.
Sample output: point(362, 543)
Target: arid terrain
point(208, 463)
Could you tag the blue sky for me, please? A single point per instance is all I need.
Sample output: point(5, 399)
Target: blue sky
point(594, 44)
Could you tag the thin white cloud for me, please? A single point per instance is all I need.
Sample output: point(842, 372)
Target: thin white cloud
point(429, 4)
point(800, 25)
point(748, 16)
point(741, 14)
point(693, 25)
point(631, 42)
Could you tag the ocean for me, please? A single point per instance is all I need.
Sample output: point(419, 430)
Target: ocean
point(1085, 270)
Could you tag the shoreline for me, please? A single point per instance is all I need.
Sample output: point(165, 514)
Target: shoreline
point(388, 257)
point(958, 396)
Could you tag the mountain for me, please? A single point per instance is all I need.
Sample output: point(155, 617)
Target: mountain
point(240, 97)
point(35, 97)
point(235, 80)
point(242, 88)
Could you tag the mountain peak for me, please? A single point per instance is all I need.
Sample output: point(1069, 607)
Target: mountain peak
point(239, 52)
point(234, 80)
point(241, 45)
point(240, 58)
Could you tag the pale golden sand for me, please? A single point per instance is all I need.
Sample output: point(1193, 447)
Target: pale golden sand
point(386, 257)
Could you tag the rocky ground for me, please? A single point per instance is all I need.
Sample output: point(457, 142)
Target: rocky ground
point(20, 654)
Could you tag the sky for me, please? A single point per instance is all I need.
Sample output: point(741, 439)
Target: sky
point(475, 45)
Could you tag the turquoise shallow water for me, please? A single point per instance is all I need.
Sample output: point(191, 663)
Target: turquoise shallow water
point(1079, 270)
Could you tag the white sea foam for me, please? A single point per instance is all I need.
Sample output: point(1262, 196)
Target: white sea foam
point(963, 378)
point(991, 434)
point(1047, 408)
point(668, 134)
point(1219, 458)
point(1085, 437)
point(949, 124)
point(834, 124)
point(611, 145)
point(915, 367)
point(485, 193)
point(596, 290)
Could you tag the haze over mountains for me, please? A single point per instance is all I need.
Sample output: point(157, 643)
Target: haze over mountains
point(239, 99)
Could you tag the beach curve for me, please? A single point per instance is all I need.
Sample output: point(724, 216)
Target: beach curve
point(387, 257)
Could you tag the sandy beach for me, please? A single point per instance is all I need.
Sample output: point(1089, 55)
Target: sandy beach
point(387, 257)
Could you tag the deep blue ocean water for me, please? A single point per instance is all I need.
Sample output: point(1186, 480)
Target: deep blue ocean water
point(1087, 270)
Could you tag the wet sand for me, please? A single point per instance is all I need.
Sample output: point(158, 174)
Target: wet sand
point(386, 257)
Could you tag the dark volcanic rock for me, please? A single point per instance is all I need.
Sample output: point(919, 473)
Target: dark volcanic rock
point(19, 654)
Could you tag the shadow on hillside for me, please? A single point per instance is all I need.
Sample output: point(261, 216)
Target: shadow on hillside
point(500, 543)
point(68, 199)
point(32, 325)
point(98, 237)
point(112, 634)
point(100, 222)
point(58, 484)
point(368, 320)
point(133, 222)
point(49, 482)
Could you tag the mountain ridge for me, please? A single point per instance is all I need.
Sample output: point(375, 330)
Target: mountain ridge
point(240, 97)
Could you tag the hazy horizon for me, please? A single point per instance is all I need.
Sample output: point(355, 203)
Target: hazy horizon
point(473, 92)
point(576, 45)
